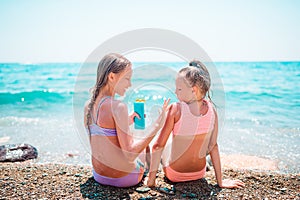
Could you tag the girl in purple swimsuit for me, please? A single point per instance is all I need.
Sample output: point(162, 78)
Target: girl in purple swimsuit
point(114, 152)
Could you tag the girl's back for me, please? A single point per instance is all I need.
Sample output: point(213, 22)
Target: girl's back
point(105, 143)
point(191, 137)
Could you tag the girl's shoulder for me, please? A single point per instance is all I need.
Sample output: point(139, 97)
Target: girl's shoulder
point(117, 102)
point(212, 108)
point(175, 110)
point(174, 107)
point(211, 105)
point(117, 106)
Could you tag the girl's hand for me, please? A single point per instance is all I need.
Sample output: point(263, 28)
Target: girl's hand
point(162, 117)
point(228, 183)
point(165, 105)
point(132, 116)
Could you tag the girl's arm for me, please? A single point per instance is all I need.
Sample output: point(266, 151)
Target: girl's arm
point(127, 143)
point(214, 151)
point(159, 145)
point(215, 158)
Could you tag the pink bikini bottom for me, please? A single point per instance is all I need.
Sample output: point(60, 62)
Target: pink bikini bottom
point(175, 176)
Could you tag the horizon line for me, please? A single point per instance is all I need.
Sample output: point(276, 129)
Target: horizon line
point(219, 61)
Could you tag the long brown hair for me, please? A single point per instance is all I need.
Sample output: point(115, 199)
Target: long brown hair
point(112, 62)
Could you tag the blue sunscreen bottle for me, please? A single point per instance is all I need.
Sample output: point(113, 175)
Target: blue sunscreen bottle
point(139, 108)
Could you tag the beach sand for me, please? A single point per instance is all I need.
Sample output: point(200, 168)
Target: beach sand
point(28, 180)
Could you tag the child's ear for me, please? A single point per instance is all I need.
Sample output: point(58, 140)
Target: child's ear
point(111, 76)
point(195, 89)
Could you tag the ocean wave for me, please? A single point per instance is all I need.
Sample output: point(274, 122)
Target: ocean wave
point(253, 95)
point(33, 96)
point(13, 120)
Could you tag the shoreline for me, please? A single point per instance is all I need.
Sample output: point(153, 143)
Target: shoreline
point(64, 181)
point(248, 162)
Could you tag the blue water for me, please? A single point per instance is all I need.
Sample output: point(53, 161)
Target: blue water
point(259, 112)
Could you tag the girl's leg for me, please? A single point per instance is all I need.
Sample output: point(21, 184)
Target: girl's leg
point(166, 154)
point(144, 160)
point(148, 158)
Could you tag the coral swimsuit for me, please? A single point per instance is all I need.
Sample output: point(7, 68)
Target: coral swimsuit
point(189, 125)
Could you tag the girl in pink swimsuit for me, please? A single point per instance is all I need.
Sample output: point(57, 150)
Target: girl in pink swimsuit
point(114, 151)
point(194, 125)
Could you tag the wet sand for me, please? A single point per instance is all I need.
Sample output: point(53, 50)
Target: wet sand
point(29, 180)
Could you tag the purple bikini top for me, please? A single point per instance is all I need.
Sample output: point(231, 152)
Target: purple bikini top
point(97, 130)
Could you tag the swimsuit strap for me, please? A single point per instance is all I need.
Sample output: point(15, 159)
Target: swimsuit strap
point(97, 111)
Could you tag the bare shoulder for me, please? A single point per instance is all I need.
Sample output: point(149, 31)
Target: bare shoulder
point(118, 106)
point(213, 107)
point(175, 111)
point(173, 108)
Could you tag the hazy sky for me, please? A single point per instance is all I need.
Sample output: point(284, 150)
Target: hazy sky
point(68, 31)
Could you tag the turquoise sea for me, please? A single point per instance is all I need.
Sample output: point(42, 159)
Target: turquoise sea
point(40, 105)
